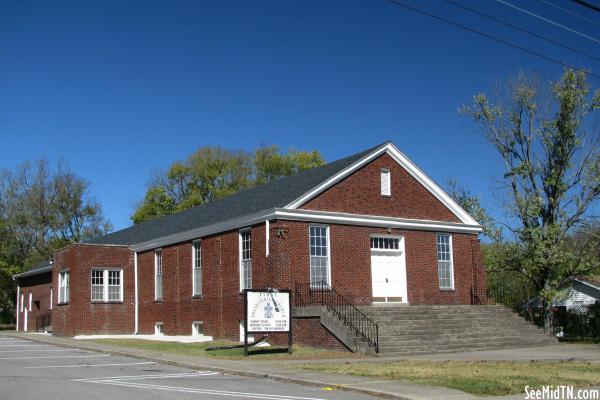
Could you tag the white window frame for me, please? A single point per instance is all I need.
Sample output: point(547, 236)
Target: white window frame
point(243, 277)
point(159, 329)
point(106, 285)
point(196, 268)
point(195, 330)
point(30, 301)
point(328, 257)
point(451, 264)
point(64, 283)
point(158, 255)
point(386, 186)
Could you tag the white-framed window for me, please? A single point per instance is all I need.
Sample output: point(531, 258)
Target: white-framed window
point(320, 271)
point(30, 301)
point(245, 259)
point(159, 328)
point(51, 297)
point(22, 301)
point(158, 275)
point(386, 182)
point(63, 286)
point(385, 243)
point(197, 269)
point(444, 257)
point(107, 284)
point(197, 328)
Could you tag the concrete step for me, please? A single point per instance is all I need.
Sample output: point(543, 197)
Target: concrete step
point(443, 341)
point(433, 347)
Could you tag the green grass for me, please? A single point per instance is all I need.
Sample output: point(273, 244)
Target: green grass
point(255, 353)
point(482, 378)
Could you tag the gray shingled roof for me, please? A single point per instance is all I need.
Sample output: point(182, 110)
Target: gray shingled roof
point(37, 269)
point(274, 194)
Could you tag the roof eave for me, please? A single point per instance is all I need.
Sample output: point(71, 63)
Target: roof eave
point(32, 273)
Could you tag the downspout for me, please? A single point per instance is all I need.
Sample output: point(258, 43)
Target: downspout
point(18, 297)
point(267, 238)
point(135, 284)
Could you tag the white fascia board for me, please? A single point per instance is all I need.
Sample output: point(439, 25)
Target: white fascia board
point(33, 272)
point(196, 233)
point(408, 165)
point(376, 221)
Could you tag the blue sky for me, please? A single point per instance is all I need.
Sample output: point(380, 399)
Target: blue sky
point(119, 89)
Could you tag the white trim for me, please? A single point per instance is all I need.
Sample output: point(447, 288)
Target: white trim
point(106, 283)
point(240, 256)
point(162, 271)
point(18, 312)
point(408, 165)
point(328, 238)
point(267, 238)
point(135, 289)
point(386, 182)
point(452, 287)
point(30, 301)
point(157, 331)
point(195, 243)
point(51, 297)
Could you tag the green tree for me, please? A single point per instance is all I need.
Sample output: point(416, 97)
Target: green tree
point(211, 173)
point(550, 152)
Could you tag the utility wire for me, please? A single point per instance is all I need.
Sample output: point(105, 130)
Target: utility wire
point(588, 5)
point(591, 21)
point(511, 25)
point(488, 36)
point(506, 3)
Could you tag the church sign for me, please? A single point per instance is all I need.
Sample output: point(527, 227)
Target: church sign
point(268, 311)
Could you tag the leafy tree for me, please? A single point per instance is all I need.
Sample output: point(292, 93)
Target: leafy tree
point(211, 173)
point(552, 162)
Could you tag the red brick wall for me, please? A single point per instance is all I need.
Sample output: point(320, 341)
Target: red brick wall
point(80, 315)
point(39, 286)
point(360, 193)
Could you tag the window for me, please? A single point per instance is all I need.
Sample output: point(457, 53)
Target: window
point(319, 255)
point(159, 328)
point(158, 275)
point(444, 256)
point(385, 243)
point(30, 301)
point(386, 183)
point(245, 259)
point(107, 285)
point(197, 269)
point(197, 328)
point(63, 287)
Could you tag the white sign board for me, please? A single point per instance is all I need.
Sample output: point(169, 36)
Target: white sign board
point(268, 311)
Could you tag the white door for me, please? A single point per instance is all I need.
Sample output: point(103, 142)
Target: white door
point(388, 270)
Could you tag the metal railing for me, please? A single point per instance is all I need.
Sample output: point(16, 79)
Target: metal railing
point(307, 294)
point(43, 321)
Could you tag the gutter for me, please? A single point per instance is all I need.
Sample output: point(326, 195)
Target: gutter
point(31, 273)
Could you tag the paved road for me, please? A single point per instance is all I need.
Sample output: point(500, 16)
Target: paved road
point(30, 370)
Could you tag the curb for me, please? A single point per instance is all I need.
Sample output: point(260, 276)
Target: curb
point(231, 371)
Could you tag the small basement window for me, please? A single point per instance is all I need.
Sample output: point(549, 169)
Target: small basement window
point(386, 182)
point(197, 328)
point(159, 328)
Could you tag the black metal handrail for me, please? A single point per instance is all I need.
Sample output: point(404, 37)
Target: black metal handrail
point(322, 294)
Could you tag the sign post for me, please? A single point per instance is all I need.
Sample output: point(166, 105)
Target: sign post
point(267, 311)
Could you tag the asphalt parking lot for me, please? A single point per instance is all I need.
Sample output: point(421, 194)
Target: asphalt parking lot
point(30, 370)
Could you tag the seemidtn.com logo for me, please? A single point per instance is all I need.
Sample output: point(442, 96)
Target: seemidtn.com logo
point(560, 392)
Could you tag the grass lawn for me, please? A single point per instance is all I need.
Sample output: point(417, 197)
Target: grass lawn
point(256, 353)
point(483, 378)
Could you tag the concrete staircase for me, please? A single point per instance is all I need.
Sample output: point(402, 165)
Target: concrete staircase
point(407, 330)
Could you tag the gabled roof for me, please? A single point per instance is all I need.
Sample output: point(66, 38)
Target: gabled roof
point(275, 194)
point(286, 193)
point(44, 266)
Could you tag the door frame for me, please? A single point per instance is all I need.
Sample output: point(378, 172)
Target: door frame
point(402, 250)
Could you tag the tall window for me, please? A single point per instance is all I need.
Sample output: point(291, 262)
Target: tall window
point(246, 259)
point(386, 183)
point(158, 275)
point(319, 255)
point(197, 269)
point(444, 256)
point(107, 285)
point(63, 287)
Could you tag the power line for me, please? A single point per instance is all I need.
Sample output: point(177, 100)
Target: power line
point(488, 36)
point(549, 40)
point(588, 5)
point(591, 21)
point(549, 21)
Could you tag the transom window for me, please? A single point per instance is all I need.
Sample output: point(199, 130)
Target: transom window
point(444, 257)
point(197, 269)
point(63, 287)
point(385, 243)
point(158, 275)
point(107, 285)
point(319, 256)
point(245, 259)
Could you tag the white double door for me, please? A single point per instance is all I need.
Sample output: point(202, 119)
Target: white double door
point(388, 271)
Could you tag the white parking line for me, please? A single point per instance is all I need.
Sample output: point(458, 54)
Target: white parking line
point(23, 345)
point(23, 351)
point(24, 358)
point(154, 376)
point(90, 365)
